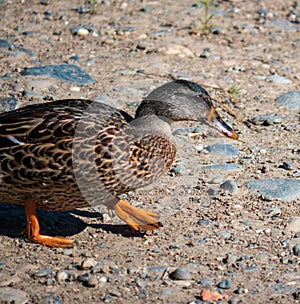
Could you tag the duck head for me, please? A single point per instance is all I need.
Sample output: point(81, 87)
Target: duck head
point(184, 100)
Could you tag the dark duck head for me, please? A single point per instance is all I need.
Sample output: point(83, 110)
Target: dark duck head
point(183, 100)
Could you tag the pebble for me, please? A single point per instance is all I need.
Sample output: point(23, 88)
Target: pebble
point(88, 264)
point(230, 258)
point(91, 282)
point(296, 249)
point(82, 32)
point(8, 104)
point(283, 189)
point(287, 165)
point(61, 72)
point(229, 185)
point(12, 295)
point(179, 170)
point(223, 150)
point(278, 79)
point(132, 270)
point(50, 300)
point(296, 294)
point(266, 119)
point(42, 273)
point(167, 292)
point(180, 274)
point(224, 284)
point(175, 49)
point(5, 44)
point(294, 224)
point(225, 234)
point(61, 275)
point(290, 100)
point(221, 167)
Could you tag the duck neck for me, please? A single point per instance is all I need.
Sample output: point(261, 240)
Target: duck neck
point(153, 125)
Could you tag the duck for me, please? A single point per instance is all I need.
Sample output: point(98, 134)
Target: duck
point(75, 153)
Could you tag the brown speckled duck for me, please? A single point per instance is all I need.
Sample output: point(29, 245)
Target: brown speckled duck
point(70, 154)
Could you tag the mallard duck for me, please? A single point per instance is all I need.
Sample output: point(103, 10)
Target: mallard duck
point(76, 153)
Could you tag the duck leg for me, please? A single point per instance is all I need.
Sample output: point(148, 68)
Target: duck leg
point(33, 229)
point(136, 218)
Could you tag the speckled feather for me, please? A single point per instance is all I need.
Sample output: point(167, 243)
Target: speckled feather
point(38, 144)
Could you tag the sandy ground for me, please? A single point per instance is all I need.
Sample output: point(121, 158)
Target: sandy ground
point(238, 236)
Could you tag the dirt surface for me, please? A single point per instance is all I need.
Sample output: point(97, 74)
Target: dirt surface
point(238, 237)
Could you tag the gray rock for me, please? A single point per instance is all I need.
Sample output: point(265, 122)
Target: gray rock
point(229, 185)
point(91, 282)
point(225, 234)
point(266, 119)
point(223, 150)
point(284, 189)
point(179, 170)
point(296, 249)
point(61, 72)
point(5, 44)
point(294, 224)
point(224, 284)
point(290, 100)
point(12, 295)
point(180, 274)
point(42, 273)
point(278, 79)
point(221, 167)
point(8, 104)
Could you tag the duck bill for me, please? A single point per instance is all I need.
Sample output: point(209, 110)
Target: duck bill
point(214, 120)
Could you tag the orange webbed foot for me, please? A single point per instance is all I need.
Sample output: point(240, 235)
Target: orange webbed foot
point(33, 229)
point(137, 218)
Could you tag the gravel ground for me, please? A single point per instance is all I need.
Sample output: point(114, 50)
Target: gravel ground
point(231, 210)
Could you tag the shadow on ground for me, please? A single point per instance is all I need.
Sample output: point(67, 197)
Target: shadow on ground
point(64, 223)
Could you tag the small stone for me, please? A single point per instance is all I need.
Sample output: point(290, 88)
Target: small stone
point(229, 185)
point(88, 264)
point(278, 79)
point(45, 2)
point(212, 192)
point(294, 224)
point(290, 100)
point(230, 259)
point(175, 49)
point(225, 234)
point(167, 292)
point(296, 249)
point(203, 222)
point(103, 280)
point(42, 273)
point(266, 119)
point(61, 275)
point(83, 278)
point(180, 274)
point(50, 300)
point(223, 150)
point(12, 295)
point(82, 32)
point(92, 282)
point(75, 89)
point(287, 165)
point(224, 284)
point(221, 168)
point(115, 293)
point(132, 270)
point(8, 104)
point(68, 252)
point(179, 170)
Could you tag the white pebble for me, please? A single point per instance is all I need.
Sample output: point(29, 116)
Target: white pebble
point(82, 32)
